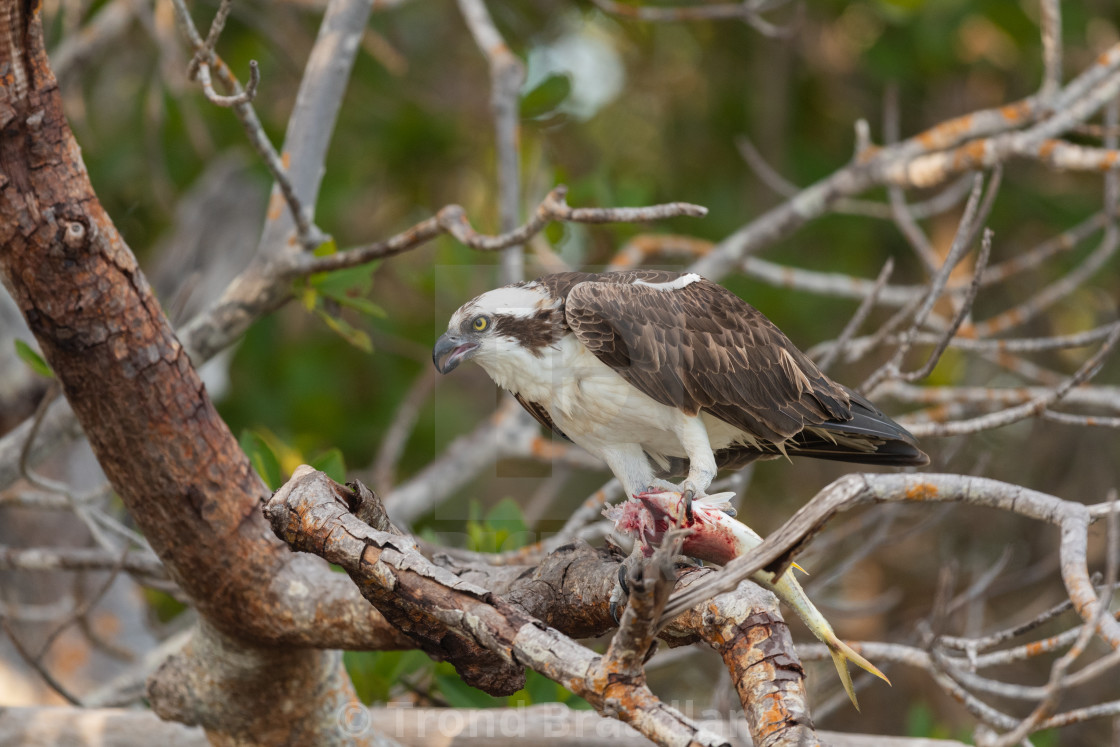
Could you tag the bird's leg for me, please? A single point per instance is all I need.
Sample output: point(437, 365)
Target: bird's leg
point(686, 499)
point(701, 464)
point(692, 489)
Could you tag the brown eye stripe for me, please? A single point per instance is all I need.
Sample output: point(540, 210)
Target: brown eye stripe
point(533, 332)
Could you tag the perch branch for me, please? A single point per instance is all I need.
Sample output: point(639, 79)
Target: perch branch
point(486, 637)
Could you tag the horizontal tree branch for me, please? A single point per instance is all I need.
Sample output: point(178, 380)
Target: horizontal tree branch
point(452, 220)
point(779, 549)
point(79, 559)
point(546, 725)
point(527, 615)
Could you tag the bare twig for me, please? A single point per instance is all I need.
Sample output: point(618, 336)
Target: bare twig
point(241, 102)
point(111, 21)
point(971, 646)
point(961, 243)
point(25, 449)
point(1034, 257)
point(1086, 371)
point(1058, 682)
point(1051, 13)
point(210, 44)
point(458, 464)
point(81, 610)
point(858, 318)
point(860, 346)
point(507, 73)
point(747, 11)
point(244, 97)
point(492, 638)
point(962, 312)
point(1086, 421)
point(1053, 292)
point(936, 205)
point(140, 562)
point(650, 583)
point(36, 663)
point(778, 550)
point(452, 219)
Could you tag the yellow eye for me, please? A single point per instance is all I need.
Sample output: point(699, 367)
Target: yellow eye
point(480, 323)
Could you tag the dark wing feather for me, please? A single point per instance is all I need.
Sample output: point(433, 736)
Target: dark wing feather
point(541, 415)
point(702, 348)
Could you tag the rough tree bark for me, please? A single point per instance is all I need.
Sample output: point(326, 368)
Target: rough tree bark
point(491, 621)
point(162, 445)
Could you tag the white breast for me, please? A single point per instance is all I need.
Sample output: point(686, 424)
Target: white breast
point(587, 400)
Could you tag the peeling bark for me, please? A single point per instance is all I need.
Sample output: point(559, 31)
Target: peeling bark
point(242, 694)
point(527, 616)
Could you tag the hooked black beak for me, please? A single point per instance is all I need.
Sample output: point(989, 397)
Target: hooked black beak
point(455, 348)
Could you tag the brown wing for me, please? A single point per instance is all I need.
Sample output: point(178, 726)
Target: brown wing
point(701, 347)
point(541, 415)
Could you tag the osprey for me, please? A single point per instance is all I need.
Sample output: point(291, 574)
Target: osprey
point(664, 374)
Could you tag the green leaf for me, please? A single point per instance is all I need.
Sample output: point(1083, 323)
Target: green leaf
point(352, 281)
point(502, 529)
point(309, 297)
point(347, 331)
point(541, 689)
point(332, 463)
point(262, 457)
point(375, 673)
point(328, 247)
point(402, 663)
point(476, 538)
point(165, 606)
point(362, 305)
point(35, 361)
point(576, 703)
point(506, 515)
point(361, 666)
point(459, 694)
point(505, 523)
point(546, 97)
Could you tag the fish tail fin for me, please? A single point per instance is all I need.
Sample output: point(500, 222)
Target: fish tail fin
point(842, 653)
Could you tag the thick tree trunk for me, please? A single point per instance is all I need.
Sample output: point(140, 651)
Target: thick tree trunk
point(167, 453)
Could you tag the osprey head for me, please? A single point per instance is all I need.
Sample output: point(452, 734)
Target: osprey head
point(499, 327)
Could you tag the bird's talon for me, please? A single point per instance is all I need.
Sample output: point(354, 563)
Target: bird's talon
point(686, 500)
point(622, 583)
point(621, 592)
point(730, 511)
